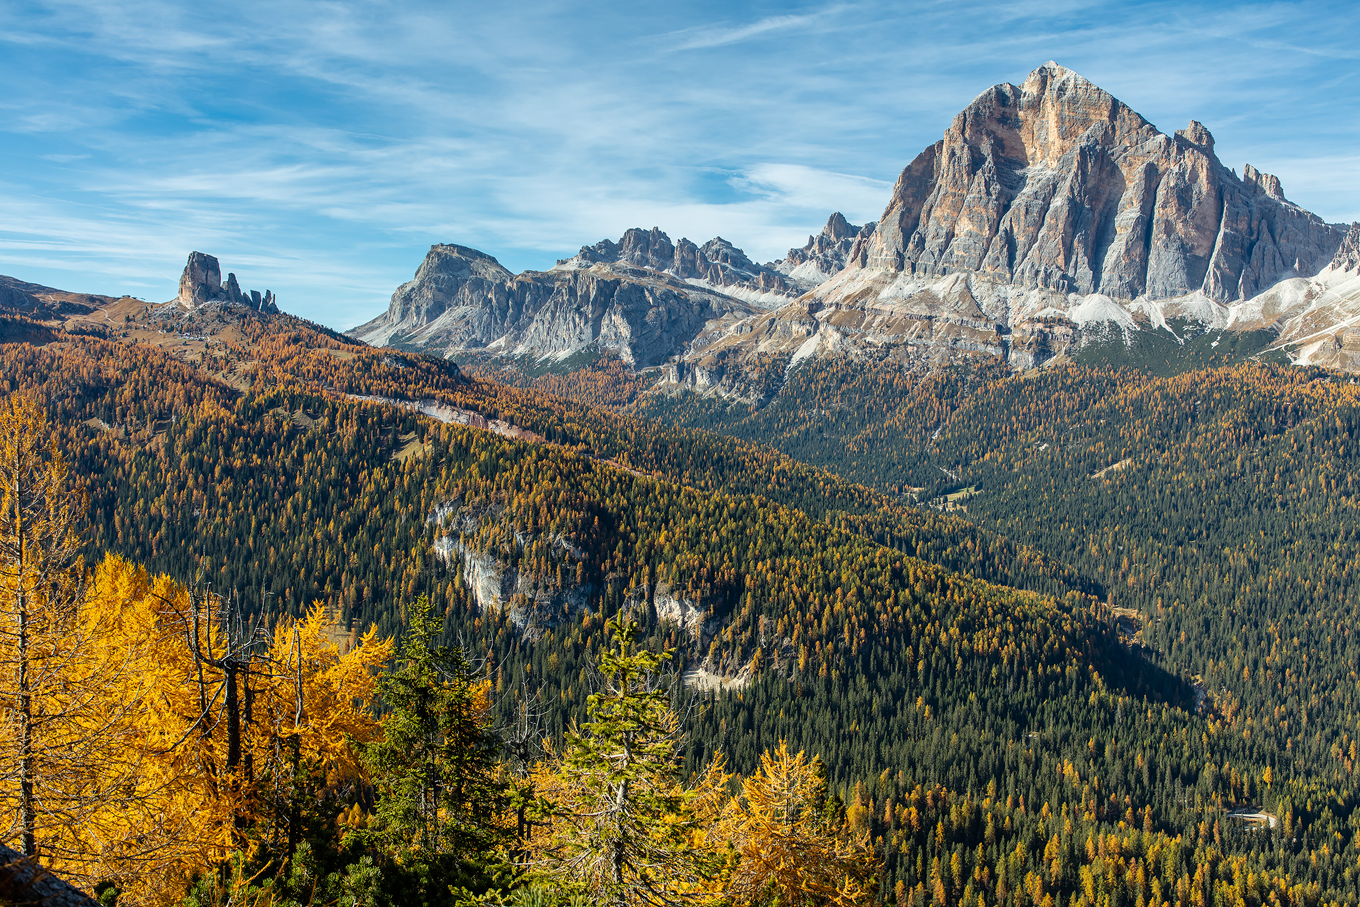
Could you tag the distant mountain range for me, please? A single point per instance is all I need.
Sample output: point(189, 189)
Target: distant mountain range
point(1049, 215)
point(643, 297)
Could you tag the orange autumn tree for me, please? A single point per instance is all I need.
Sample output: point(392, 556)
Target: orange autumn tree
point(64, 727)
point(792, 850)
point(116, 761)
point(307, 711)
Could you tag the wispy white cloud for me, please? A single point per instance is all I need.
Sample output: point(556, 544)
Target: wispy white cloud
point(720, 35)
point(799, 187)
point(319, 147)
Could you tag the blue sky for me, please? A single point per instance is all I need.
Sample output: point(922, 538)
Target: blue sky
point(319, 148)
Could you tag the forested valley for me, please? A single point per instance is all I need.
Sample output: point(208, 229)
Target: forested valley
point(333, 625)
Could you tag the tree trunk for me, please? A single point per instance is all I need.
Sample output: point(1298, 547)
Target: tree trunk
point(28, 817)
point(295, 799)
point(248, 758)
point(233, 707)
point(28, 814)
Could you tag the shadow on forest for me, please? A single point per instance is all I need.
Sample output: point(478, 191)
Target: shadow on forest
point(1133, 671)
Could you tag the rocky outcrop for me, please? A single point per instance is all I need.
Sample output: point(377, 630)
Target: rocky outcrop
point(463, 300)
point(825, 254)
point(716, 264)
point(532, 603)
point(1347, 257)
point(450, 277)
point(1055, 184)
point(538, 601)
point(23, 881)
point(201, 281)
point(201, 284)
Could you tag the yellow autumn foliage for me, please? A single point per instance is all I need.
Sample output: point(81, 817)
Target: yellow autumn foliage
point(176, 810)
point(791, 850)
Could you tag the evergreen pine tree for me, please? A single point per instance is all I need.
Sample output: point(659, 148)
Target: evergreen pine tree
point(441, 798)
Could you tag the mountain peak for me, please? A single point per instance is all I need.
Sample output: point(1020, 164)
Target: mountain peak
point(1057, 185)
point(824, 254)
point(1055, 79)
point(1266, 182)
point(1198, 134)
point(1052, 71)
point(717, 263)
point(837, 227)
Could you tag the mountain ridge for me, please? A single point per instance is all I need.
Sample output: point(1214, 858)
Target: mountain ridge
point(1047, 215)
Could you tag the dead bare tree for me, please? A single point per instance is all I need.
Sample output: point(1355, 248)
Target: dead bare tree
point(222, 640)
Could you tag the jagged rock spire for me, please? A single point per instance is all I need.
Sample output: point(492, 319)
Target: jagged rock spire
point(201, 283)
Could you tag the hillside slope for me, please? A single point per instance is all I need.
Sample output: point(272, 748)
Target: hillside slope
point(915, 652)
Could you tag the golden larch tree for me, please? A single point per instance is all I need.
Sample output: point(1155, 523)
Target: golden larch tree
point(791, 849)
point(62, 758)
point(617, 823)
point(309, 712)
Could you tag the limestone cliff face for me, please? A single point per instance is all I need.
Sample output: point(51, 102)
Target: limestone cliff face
point(462, 300)
point(1055, 184)
point(201, 280)
point(450, 277)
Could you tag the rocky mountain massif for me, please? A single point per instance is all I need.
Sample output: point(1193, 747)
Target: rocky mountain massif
point(464, 300)
point(1057, 185)
point(644, 298)
point(1050, 206)
point(1048, 213)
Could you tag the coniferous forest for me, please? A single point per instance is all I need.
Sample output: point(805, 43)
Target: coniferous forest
point(291, 620)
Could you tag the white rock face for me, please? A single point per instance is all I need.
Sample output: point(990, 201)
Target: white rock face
point(527, 600)
point(681, 612)
point(1317, 319)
